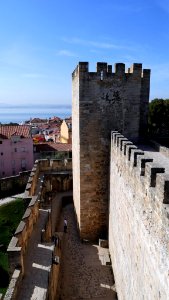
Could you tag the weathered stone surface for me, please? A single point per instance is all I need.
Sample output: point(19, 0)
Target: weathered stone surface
point(138, 225)
point(102, 101)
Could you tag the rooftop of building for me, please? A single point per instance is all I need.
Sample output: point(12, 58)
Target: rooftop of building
point(49, 146)
point(6, 131)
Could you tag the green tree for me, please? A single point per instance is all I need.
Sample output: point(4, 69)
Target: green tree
point(158, 119)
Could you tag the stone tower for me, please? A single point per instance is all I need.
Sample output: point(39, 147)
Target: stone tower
point(102, 101)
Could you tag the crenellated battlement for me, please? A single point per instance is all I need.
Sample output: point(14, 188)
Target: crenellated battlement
point(104, 100)
point(151, 173)
point(130, 191)
point(104, 70)
point(139, 218)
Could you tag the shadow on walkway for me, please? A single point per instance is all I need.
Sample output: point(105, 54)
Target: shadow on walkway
point(82, 275)
point(83, 271)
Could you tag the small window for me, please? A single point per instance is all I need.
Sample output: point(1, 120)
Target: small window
point(15, 149)
point(0, 142)
point(23, 163)
point(13, 163)
point(2, 153)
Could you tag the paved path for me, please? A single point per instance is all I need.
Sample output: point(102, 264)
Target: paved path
point(158, 157)
point(37, 264)
point(84, 273)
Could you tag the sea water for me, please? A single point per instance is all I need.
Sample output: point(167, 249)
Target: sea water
point(21, 113)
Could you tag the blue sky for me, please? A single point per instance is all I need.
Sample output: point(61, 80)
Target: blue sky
point(41, 42)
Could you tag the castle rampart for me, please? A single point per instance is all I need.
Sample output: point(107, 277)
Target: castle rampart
point(102, 101)
point(138, 222)
point(14, 184)
point(44, 173)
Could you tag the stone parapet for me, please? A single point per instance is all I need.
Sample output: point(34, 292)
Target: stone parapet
point(119, 70)
point(18, 244)
point(13, 285)
point(14, 184)
point(162, 149)
point(138, 221)
point(38, 184)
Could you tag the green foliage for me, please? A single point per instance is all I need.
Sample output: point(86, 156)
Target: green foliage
point(10, 216)
point(159, 117)
point(11, 124)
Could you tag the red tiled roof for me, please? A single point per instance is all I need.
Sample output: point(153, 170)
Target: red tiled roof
point(43, 126)
point(55, 119)
point(19, 130)
point(53, 147)
point(54, 125)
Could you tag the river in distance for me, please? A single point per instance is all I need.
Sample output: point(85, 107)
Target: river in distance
point(21, 113)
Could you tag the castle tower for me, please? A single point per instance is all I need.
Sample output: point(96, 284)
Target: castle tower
point(102, 101)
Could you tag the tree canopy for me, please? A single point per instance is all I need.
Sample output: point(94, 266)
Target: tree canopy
point(158, 118)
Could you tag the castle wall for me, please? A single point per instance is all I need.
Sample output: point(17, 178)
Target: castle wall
point(102, 101)
point(14, 184)
point(138, 223)
point(38, 184)
point(76, 146)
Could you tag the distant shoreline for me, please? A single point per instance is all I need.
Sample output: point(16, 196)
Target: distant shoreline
point(20, 114)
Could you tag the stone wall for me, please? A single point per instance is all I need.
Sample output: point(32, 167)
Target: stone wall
point(14, 184)
point(162, 149)
point(102, 101)
point(138, 223)
point(44, 173)
point(76, 146)
point(18, 244)
point(55, 268)
point(13, 286)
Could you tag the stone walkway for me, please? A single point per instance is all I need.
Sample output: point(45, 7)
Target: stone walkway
point(37, 264)
point(158, 158)
point(84, 273)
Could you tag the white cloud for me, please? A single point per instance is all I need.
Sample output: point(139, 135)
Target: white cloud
point(66, 53)
point(97, 44)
